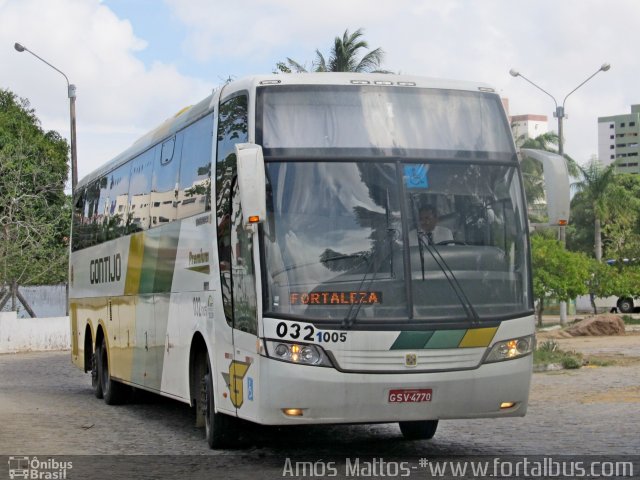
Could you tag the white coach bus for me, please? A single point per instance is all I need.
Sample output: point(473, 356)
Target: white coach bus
point(261, 256)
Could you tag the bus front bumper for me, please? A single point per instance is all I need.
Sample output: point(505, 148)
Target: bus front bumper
point(326, 396)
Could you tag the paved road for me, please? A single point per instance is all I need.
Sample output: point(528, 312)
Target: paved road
point(47, 408)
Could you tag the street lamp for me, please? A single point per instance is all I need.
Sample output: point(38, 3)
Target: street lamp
point(560, 115)
point(71, 89)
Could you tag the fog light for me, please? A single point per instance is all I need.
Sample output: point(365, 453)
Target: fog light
point(292, 412)
point(505, 405)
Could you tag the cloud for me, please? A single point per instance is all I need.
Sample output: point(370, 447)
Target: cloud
point(119, 98)
point(555, 44)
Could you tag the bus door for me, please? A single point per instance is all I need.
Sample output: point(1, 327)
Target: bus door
point(242, 372)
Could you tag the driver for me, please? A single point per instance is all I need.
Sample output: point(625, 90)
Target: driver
point(428, 229)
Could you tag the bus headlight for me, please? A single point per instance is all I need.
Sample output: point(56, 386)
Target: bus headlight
point(510, 349)
point(297, 353)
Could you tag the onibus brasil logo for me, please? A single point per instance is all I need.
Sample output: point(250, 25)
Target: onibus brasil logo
point(32, 468)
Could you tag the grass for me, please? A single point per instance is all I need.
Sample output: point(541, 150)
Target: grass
point(629, 320)
point(549, 352)
point(600, 362)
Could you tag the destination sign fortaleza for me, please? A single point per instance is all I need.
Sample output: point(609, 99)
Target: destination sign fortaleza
point(335, 298)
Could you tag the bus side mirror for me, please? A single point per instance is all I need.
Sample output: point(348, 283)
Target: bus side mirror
point(251, 183)
point(556, 180)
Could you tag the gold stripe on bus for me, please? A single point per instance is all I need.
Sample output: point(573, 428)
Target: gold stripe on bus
point(478, 337)
point(134, 267)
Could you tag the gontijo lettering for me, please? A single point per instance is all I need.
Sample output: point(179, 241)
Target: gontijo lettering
point(335, 298)
point(105, 269)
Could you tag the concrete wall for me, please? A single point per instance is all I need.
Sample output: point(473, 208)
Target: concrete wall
point(33, 334)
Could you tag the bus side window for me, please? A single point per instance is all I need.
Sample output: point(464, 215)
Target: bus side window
point(78, 219)
point(140, 191)
point(118, 185)
point(90, 215)
point(194, 194)
point(232, 129)
point(163, 199)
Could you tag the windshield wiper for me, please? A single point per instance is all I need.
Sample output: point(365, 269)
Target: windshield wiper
point(349, 320)
point(451, 278)
point(471, 313)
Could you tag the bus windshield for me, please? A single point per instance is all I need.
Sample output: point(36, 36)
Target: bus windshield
point(345, 239)
point(316, 120)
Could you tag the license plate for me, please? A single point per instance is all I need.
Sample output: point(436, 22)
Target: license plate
point(410, 395)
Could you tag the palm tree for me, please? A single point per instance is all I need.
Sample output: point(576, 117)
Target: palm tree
point(595, 185)
point(344, 56)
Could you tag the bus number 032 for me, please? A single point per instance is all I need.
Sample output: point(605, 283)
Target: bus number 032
point(308, 333)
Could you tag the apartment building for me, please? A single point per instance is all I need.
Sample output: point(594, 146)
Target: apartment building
point(618, 137)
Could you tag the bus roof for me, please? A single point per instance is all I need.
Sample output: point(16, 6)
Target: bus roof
point(192, 113)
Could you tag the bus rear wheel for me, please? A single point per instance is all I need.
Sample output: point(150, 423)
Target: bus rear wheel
point(96, 384)
point(420, 430)
point(113, 392)
point(220, 429)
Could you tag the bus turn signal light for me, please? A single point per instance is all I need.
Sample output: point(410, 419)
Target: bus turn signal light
point(254, 219)
point(505, 405)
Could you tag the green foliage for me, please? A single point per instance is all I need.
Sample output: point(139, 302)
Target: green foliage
point(557, 272)
point(549, 346)
point(549, 352)
point(571, 361)
point(629, 320)
point(617, 280)
point(620, 223)
point(344, 56)
point(34, 211)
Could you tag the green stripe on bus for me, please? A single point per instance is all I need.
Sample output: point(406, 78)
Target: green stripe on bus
point(411, 340)
point(158, 265)
point(446, 339)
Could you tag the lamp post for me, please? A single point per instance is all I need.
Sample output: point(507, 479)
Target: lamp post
point(71, 92)
point(560, 115)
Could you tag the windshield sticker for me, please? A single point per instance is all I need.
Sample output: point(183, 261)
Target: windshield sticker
point(415, 176)
point(335, 298)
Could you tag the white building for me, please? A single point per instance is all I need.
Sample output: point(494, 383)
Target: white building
point(528, 126)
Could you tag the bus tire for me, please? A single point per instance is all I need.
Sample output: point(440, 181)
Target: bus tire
point(420, 430)
point(96, 384)
point(114, 392)
point(219, 428)
point(625, 305)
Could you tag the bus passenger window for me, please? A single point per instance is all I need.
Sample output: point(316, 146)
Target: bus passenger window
point(163, 199)
point(194, 194)
point(140, 191)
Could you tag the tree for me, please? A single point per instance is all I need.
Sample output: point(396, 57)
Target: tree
point(344, 56)
point(596, 188)
point(557, 272)
point(34, 211)
point(620, 232)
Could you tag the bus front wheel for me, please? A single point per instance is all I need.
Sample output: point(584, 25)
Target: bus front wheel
point(421, 430)
point(219, 428)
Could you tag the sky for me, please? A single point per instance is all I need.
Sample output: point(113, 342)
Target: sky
point(137, 62)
